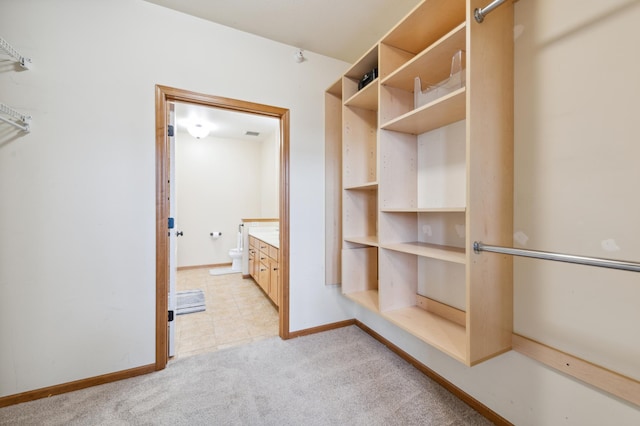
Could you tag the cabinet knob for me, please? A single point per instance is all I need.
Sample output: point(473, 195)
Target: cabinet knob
point(275, 269)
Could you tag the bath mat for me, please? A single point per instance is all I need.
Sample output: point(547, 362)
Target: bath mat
point(190, 301)
point(222, 271)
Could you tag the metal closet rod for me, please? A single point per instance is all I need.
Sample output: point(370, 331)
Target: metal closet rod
point(6, 47)
point(568, 258)
point(23, 120)
point(480, 14)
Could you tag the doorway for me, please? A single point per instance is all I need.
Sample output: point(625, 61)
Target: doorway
point(165, 96)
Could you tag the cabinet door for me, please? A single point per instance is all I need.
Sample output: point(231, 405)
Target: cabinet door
point(274, 282)
point(252, 263)
point(264, 275)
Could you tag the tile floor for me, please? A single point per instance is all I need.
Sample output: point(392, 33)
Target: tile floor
point(237, 312)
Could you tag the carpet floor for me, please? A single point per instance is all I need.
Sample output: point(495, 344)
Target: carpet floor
point(339, 377)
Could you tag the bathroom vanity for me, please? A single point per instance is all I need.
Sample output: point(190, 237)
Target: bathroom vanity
point(263, 262)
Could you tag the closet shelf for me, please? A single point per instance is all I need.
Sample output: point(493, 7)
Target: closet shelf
point(6, 48)
point(433, 251)
point(432, 65)
point(370, 240)
point(15, 118)
point(424, 210)
point(367, 298)
point(446, 110)
point(367, 98)
point(369, 186)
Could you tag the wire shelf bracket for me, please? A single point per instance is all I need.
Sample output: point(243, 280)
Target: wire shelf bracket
point(7, 49)
point(16, 119)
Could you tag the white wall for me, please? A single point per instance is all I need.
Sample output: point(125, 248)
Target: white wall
point(576, 177)
point(270, 176)
point(218, 183)
point(77, 217)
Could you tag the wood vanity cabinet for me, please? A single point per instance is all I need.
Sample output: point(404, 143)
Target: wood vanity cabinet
point(274, 275)
point(253, 256)
point(264, 267)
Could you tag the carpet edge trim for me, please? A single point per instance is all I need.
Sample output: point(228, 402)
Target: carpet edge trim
point(48, 391)
point(482, 409)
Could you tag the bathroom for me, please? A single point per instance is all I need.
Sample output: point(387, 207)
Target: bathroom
point(226, 186)
point(222, 180)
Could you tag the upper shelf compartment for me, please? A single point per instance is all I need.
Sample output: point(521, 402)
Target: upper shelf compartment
point(432, 65)
point(355, 74)
point(425, 25)
point(366, 98)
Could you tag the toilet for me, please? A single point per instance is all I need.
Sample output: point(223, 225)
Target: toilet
point(236, 259)
point(236, 253)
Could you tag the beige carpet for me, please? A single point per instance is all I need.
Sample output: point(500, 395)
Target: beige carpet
point(340, 377)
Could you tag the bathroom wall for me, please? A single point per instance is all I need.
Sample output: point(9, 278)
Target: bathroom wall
point(219, 182)
point(270, 176)
point(77, 256)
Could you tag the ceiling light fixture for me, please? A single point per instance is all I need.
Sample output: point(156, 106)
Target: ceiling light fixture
point(198, 130)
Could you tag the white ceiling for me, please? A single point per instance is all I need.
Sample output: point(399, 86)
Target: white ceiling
point(225, 124)
point(342, 29)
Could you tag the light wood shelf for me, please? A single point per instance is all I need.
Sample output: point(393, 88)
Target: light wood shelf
point(366, 98)
point(369, 240)
point(369, 186)
point(419, 185)
point(433, 251)
point(333, 182)
point(425, 24)
point(368, 299)
point(424, 210)
point(433, 329)
point(433, 65)
point(446, 110)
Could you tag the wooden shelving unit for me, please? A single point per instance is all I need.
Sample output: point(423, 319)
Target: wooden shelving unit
point(420, 183)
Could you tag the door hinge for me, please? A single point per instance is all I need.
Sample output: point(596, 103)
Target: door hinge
point(169, 130)
point(170, 316)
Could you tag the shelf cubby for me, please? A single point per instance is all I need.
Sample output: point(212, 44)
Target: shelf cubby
point(401, 304)
point(425, 24)
point(366, 98)
point(359, 146)
point(432, 65)
point(352, 77)
point(360, 215)
point(442, 111)
point(360, 276)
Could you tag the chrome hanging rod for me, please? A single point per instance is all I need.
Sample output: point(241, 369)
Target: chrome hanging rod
point(569, 258)
point(22, 121)
point(6, 48)
point(480, 14)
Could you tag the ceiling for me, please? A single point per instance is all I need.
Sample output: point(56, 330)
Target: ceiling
point(225, 124)
point(341, 29)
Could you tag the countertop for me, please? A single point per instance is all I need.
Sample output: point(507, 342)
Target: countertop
point(269, 235)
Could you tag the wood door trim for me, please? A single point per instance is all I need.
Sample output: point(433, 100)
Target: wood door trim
point(164, 95)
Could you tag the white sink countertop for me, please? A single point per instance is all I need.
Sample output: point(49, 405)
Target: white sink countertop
point(269, 235)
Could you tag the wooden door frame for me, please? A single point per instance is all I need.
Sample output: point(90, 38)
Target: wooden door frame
point(165, 95)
